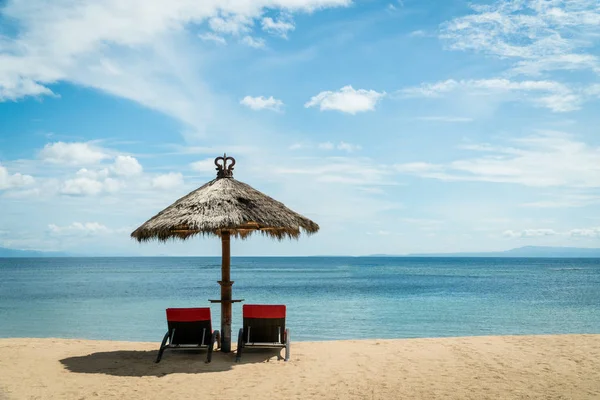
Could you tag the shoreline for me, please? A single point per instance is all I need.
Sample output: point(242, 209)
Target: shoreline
point(473, 367)
point(157, 342)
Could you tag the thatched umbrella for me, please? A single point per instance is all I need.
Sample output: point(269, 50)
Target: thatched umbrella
point(225, 207)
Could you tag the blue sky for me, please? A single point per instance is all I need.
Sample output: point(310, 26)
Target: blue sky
point(398, 126)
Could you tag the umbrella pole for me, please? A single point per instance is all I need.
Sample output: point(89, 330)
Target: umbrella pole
point(225, 293)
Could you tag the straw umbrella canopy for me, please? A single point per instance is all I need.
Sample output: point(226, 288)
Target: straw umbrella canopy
point(225, 207)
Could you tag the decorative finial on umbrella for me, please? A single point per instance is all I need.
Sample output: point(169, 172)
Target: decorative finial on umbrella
point(224, 170)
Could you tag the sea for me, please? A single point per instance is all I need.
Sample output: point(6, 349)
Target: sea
point(327, 298)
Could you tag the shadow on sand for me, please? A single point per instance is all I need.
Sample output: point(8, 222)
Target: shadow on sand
point(141, 363)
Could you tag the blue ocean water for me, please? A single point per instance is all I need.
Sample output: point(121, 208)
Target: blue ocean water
point(327, 298)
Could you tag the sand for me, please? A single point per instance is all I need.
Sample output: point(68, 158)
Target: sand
point(501, 367)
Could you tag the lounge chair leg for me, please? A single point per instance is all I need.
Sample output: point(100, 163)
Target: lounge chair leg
point(209, 354)
point(213, 339)
point(287, 345)
point(240, 345)
point(162, 347)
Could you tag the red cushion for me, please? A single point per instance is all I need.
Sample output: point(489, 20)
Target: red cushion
point(263, 311)
point(188, 314)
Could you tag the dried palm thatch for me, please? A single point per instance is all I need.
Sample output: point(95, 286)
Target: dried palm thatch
point(225, 204)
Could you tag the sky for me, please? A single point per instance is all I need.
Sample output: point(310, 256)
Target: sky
point(398, 126)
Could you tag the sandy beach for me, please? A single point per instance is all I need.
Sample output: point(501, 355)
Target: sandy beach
point(506, 367)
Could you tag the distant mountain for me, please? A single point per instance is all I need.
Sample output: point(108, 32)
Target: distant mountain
point(526, 251)
point(4, 252)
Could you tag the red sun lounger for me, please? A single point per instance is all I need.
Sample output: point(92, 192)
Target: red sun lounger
point(189, 328)
point(264, 326)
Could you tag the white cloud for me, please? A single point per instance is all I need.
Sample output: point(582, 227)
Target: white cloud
point(17, 88)
point(343, 170)
point(543, 160)
point(93, 174)
point(233, 25)
point(206, 165)
point(126, 166)
point(593, 232)
point(74, 153)
point(348, 147)
point(262, 103)
point(85, 186)
point(548, 94)
point(419, 33)
point(431, 89)
point(257, 43)
point(297, 146)
point(539, 35)
point(326, 146)
point(17, 180)
point(530, 233)
point(585, 232)
point(279, 28)
point(171, 180)
point(347, 100)
point(23, 194)
point(593, 90)
point(110, 179)
point(79, 228)
point(211, 37)
point(565, 200)
point(112, 173)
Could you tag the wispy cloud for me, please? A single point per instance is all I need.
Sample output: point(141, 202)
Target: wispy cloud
point(342, 146)
point(593, 232)
point(565, 199)
point(539, 36)
point(80, 228)
point(548, 94)
point(420, 33)
point(280, 27)
point(326, 146)
point(145, 57)
point(530, 233)
point(343, 170)
point(257, 43)
point(348, 147)
point(212, 37)
point(543, 160)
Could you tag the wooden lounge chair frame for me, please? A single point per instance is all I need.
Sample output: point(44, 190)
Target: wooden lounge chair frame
point(189, 329)
point(264, 326)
